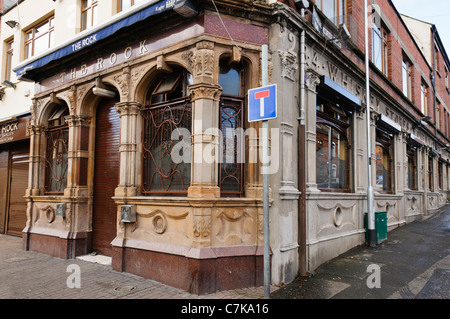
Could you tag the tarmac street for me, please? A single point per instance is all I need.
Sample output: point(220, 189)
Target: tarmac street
point(414, 262)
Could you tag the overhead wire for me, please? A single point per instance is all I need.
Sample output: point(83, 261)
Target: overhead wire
point(224, 26)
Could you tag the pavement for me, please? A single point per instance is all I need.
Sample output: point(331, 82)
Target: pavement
point(414, 262)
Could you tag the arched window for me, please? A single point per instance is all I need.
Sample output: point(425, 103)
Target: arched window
point(332, 148)
point(167, 122)
point(231, 122)
point(56, 156)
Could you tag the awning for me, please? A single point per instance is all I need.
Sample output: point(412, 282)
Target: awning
point(415, 141)
point(388, 125)
point(95, 36)
point(433, 152)
point(333, 92)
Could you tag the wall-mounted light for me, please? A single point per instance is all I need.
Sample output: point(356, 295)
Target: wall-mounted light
point(423, 121)
point(185, 8)
point(103, 92)
point(12, 23)
point(8, 84)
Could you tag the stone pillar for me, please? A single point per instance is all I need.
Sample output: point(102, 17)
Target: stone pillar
point(130, 130)
point(312, 80)
point(360, 165)
point(37, 163)
point(35, 182)
point(205, 97)
point(78, 155)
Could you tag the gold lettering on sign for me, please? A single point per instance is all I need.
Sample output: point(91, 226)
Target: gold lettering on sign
point(142, 48)
point(84, 69)
point(99, 64)
point(113, 58)
point(128, 52)
point(73, 73)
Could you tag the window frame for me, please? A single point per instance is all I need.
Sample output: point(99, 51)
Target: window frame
point(344, 129)
point(430, 171)
point(340, 17)
point(407, 78)
point(59, 128)
point(166, 110)
point(384, 140)
point(228, 101)
point(382, 36)
point(132, 3)
point(32, 40)
point(85, 15)
point(411, 154)
point(424, 98)
point(9, 59)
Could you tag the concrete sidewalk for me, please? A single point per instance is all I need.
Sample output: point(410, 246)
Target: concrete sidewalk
point(30, 275)
point(414, 262)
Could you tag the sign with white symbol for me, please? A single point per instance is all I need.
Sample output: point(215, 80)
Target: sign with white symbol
point(262, 103)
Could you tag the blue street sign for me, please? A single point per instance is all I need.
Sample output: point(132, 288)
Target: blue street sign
point(262, 103)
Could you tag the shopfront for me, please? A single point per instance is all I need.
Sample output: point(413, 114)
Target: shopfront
point(121, 113)
point(14, 164)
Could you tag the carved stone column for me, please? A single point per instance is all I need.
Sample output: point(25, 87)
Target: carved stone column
point(205, 140)
point(37, 163)
point(313, 80)
point(78, 155)
point(130, 130)
point(205, 97)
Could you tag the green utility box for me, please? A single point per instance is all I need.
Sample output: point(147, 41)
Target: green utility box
point(380, 226)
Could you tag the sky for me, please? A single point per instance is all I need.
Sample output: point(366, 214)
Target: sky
point(436, 12)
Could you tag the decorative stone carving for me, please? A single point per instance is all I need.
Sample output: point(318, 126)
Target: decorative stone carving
point(312, 80)
point(50, 214)
point(136, 75)
point(159, 220)
point(202, 61)
point(123, 81)
point(235, 226)
point(202, 226)
point(159, 223)
point(128, 108)
point(202, 91)
point(78, 120)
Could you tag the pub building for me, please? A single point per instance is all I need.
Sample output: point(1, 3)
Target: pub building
point(113, 107)
point(102, 178)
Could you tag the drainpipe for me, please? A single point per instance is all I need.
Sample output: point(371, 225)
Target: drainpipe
point(433, 30)
point(301, 158)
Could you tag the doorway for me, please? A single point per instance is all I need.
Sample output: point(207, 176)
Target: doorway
point(106, 177)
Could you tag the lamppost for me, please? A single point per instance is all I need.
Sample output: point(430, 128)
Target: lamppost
point(370, 193)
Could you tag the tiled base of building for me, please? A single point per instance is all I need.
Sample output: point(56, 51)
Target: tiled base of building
point(197, 276)
point(66, 247)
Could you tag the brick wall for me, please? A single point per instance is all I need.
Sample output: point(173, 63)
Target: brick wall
point(400, 41)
